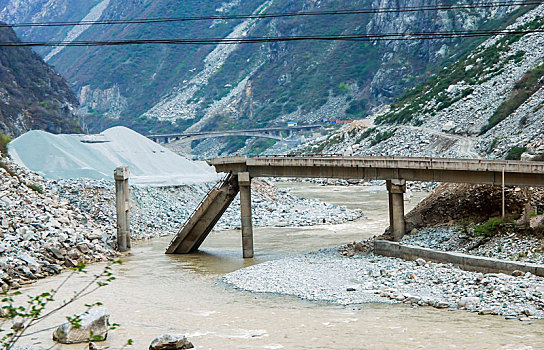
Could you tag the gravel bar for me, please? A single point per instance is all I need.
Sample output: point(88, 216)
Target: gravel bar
point(328, 276)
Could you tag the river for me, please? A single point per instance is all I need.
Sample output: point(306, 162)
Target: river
point(156, 293)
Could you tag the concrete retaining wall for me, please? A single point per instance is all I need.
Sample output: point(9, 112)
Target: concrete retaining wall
point(463, 261)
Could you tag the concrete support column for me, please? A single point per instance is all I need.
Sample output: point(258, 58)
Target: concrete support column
point(244, 181)
point(121, 175)
point(396, 189)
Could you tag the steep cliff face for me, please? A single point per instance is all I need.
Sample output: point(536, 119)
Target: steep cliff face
point(161, 88)
point(32, 94)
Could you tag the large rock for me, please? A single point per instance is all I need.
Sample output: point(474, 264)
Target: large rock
point(95, 322)
point(170, 342)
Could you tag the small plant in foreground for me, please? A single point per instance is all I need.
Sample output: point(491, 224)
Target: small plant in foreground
point(33, 312)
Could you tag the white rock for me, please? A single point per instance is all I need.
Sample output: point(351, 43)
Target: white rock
point(95, 322)
point(170, 342)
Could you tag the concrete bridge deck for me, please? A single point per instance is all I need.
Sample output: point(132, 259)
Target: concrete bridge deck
point(473, 171)
point(394, 170)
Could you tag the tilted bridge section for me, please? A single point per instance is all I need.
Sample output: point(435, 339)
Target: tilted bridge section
point(275, 133)
point(394, 170)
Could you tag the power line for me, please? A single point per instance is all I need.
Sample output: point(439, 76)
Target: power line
point(250, 40)
point(280, 15)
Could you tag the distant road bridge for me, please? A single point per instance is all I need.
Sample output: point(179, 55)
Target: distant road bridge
point(270, 133)
point(394, 170)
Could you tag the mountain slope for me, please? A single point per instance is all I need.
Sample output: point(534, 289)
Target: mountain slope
point(487, 104)
point(166, 88)
point(32, 94)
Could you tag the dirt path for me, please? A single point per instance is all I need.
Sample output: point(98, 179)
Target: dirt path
point(465, 142)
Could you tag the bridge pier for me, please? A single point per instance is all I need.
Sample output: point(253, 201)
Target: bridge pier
point(244, 182)
point(396, 189)
point(121, 175)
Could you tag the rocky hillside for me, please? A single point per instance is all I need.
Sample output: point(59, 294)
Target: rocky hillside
point(32, 94)
point(162, 88)
point(486, 104)
point(42, 233)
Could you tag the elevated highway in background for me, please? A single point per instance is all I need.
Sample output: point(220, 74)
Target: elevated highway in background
point(271, 133)
point(394, 170)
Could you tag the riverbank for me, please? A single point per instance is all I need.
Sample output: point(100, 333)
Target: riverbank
point(352, 274)
point(168, 288)
point(49, 225)
point(41, 233)
point(160, 211)
point(329, 276)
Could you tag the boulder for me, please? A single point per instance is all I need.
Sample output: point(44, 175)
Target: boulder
point(468, 302)
point(170, 342)
point(94, 322)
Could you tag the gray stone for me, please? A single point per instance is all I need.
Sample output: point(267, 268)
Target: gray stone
point(56, 253)
point(28, 259)
point(420, 262)
point(170, 342)
point(468, 302)
point(94, 322)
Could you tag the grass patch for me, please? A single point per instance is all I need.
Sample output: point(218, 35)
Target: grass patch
point(515, 153)
point(36, 187)
point(530, 83)
point(490, 228)
point(382, 136)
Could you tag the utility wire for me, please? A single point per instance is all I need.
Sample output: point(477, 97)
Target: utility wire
point(280, 15)
point(248, 40)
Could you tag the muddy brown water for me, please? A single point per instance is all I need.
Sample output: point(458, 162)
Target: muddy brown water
point(155, 293)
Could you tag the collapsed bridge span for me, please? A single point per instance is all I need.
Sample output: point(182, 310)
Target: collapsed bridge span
point(394, 170)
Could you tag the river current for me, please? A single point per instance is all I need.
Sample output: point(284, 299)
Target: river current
point(156, 293)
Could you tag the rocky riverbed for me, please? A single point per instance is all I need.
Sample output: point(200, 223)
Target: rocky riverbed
point(329, 276)
point(160, 211)
point(48, 225)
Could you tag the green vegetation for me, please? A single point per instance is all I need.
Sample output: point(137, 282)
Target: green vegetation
point(261, 145)
point(382, 136)
point(33, 90)
point(4, 140)
point(233, 143)
point(493, 144)
point(473, 68)
point(36, 187)
point(523, 121)
point(490, 228)
point(515, 153)
point(530, 83)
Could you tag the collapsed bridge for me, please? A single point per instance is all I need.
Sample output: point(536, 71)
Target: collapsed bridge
point(394, 170)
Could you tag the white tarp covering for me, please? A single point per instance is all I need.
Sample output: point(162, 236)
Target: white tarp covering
point(96, 156)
